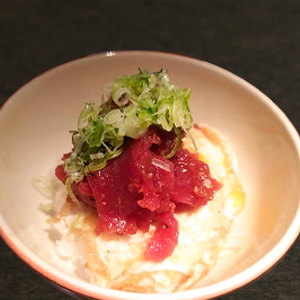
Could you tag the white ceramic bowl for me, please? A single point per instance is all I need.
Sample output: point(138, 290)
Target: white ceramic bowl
point(34, 126)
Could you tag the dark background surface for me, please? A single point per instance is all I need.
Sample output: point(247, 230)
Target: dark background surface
point(257, 40)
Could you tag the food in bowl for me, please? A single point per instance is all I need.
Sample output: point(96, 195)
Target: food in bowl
point(151, 195)
point(268, 167)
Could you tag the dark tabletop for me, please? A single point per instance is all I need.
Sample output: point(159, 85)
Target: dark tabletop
point(257, 40)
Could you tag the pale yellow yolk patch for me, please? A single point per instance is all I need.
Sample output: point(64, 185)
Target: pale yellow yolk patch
point(238, 196)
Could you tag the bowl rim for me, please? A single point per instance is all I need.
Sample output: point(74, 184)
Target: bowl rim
point(210, 291)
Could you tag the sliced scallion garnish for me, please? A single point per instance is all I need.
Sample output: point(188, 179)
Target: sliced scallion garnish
point(135, 103)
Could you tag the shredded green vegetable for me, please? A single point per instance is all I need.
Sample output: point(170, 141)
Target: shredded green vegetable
point(135, 102)
point(46, 208)
point(76, 221)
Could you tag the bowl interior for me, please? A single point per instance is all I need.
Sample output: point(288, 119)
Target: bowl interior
point(34, 125)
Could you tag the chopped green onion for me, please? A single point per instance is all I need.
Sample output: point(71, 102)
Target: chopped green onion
point(75, 222)
point(176, 146)
point(97, 165)
point(46, 208)
point(134, 103)
point(70, 191)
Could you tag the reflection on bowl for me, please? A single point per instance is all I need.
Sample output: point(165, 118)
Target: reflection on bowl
point(36, 119)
